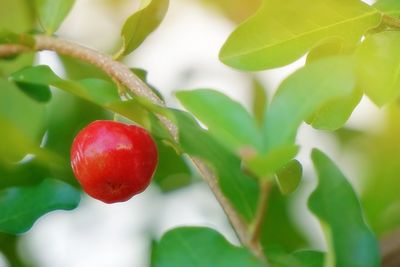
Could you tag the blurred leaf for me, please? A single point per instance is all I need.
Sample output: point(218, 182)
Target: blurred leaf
point(27, 115)
point(302, 94)
point(278, 34)
point(378, 63)
point(329, 48)
point(8, 66)
point(142, 74)
point(336, 112)
point(15, 16)
point(77, 69)
point(20, 207)
point(279, 227)
point(260, 101)
point(100, 92)
point(143, 22)
point(52, 13)
point(300, 258)
point(22, 174)
point(239, 188)
point(334, 202)
point(39, 93)
point(289, 177)
point(172, 170)
point(266, 165)
point(196, 246)
point(388, 6)
point(237, 10)
point(226, 119)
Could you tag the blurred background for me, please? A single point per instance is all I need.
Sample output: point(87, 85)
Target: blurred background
point(183, 54)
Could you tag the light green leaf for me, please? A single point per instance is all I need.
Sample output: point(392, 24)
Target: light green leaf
point(334, 202)
point(20, 207)
point(260, 101)
point(266, 165)
point(388, 6)
point(278, 34)
point(143, 22)
point(16, 16)
point(40, 93)
point(336, 112)
point(226, 119)
point(52, 13)
point(195, 246)
point(289, 177)
point(378, 65)
point(302, 94)
point(328, 48)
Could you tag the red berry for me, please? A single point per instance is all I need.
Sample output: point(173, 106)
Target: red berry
point(113, 161)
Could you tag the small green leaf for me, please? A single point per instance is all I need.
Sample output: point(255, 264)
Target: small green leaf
point(266, 165)
point(172, 170)
point(20, 207)
point(302, 94)
point(334, 202)
point(52, 13)
point(143, 22)
point(195, 246)
point(260, 101)
point(289, 177)
point(378, 63)
point(336, 112)
point(40, 93)
point(278, 34)
point(226, 119)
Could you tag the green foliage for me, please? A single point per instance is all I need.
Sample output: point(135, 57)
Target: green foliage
point(51, 13)
point(143, 22)
point(289, 177)
point(20, 207)
point(388, 6)
point(9, 20)
point(278, 34)
point(180, 247)
point(300, 258)
point(350, 241)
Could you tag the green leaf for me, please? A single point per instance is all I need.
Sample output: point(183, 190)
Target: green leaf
point(20, 207)
point(143, 22)
point(378, 64)
point(226, 119)
point(52, 13)
point(278, 34)
point(302, 94)
point(388, 6)
point(289, 177)
point(336, 112)
point(39, 93)
point(172, 170)
point(195, 246)
point(300, 258)
point(22, 22)
point(240, 189)
point(329, 48)
point(142, 74)
point(334, 202)
point(266, 165)
point(260, 101)
point(100, 92)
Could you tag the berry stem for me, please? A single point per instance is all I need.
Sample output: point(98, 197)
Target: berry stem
point(120, 73)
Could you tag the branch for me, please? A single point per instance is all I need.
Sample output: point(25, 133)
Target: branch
point(122, 74)
point(391, 21)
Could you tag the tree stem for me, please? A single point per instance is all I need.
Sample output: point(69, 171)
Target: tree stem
point(120, 73)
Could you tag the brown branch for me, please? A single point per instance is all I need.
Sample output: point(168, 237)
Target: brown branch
point(122, 74)
point(391, 21)
point(390, 249)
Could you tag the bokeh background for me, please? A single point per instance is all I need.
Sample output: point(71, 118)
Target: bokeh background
point(183, 54)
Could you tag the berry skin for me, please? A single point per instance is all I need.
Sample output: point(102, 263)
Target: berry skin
point(113, 161)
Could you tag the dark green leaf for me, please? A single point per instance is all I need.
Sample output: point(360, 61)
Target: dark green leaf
point(302, 94)
point(200, 247)
point(281, 33)
point(20, 207)
point(378, 63)
point(40, 93)
point(289, 177)
point(301, 258)
point(52, 13)
point(334, 202)
point(143, 22)
point(226, 119)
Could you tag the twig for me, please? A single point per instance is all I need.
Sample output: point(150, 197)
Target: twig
point(122, 74)
point(391, 21)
